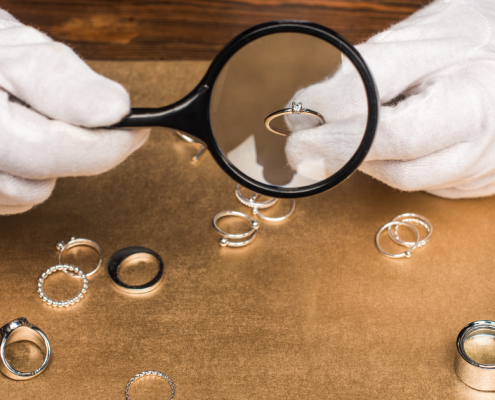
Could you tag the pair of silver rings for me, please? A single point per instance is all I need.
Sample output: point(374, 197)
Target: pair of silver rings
point(250, 234)
point(393, 232)
point(70, 270)
point(18, 330)
point(256, 206)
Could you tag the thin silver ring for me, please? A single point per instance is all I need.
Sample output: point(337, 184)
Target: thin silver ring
point(276, 219)
point(478, 376)
point(254, 224)
point(409, 250)
point(74, 242)
point(251, 201)
point(58, 268)
point(295, 109)
point(149, 373)
point(16, 331)
point(411, 217)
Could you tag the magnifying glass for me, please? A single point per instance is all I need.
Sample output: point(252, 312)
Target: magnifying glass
point(246, 107)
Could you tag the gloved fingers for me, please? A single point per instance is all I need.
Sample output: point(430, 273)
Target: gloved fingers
point(53, 80)
point(468, 191)
point(429, 40)
point(19, 194)
point(448, 108)
point(446, 168)
point(35, 147)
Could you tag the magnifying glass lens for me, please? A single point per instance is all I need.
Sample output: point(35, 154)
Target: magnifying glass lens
point(318, 98)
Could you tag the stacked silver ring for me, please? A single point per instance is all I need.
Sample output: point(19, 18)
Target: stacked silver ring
point(250, 234)
point(256, 206)
point(393, 227)
point(149, 373)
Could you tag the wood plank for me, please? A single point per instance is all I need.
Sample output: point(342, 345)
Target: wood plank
point(192, 29)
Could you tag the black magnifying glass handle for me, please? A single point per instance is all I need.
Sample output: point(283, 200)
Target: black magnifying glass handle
point(186, 115)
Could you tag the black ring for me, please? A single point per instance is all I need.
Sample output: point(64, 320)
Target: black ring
point(120, 255)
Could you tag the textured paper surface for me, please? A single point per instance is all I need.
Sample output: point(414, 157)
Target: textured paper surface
point(309, 310)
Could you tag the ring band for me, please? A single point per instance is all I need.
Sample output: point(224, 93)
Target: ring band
point(251, 201)
point(57, 268)
point(16, 331)
point(149, 373)
point(251, 234)
point(476, 375)
point(295, 109)
point(62, 247)
point(276, 219)
point(411, 217)
point(132, 254)
point(409, 250)
point(254, 224)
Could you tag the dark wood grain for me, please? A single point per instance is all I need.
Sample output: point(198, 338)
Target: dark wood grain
point(192, 29)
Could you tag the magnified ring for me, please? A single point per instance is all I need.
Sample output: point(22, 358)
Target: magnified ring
point(254, 224)
point(251, 201)
point(57, 268)
point(62, 247)
point(295, 109)
point(276, 219)
point(410, 249)
point(131, 254)
point(18, 330)
point(149, 373)
point(478, 376)
point(411, 217)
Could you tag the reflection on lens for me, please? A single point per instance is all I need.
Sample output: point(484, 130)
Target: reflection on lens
point(265, 77)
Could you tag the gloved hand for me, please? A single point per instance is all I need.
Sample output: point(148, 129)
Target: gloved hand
point(41, 132)
point(435, 73)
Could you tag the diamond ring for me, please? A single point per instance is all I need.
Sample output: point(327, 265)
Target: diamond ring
point(296, 108)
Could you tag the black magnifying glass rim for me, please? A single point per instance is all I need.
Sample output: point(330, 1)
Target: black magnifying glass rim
point(342, 45)
point(191, 115)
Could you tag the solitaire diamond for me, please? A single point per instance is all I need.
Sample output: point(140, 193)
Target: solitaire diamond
point(296, 108)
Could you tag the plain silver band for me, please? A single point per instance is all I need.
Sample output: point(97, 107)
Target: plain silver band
point(477, 376)
point(276, 219)
point(251, 201)
point(287, 111)
point(254, 224)
point(16, 331)
point(149, 373)
point(406, 253)
point(411, 217)
point(76, 243)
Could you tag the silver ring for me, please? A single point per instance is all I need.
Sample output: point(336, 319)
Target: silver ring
point(16, 331)
point(476, 375)
point(62, 247)
point(411, 217)
point(130, 254)
point(224, 242)
point(149, 373)
point(275, 219)
point(254, 224)
point(67, 303)
point(409, 250)
point(251, 201)
point(295, 109)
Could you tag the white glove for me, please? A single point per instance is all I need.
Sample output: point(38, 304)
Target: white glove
point(45, 141)
point(441, 137)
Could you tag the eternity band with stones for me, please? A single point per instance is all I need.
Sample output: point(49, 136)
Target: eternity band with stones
point(64, 268)
point(149, 373)
point(295, 109)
